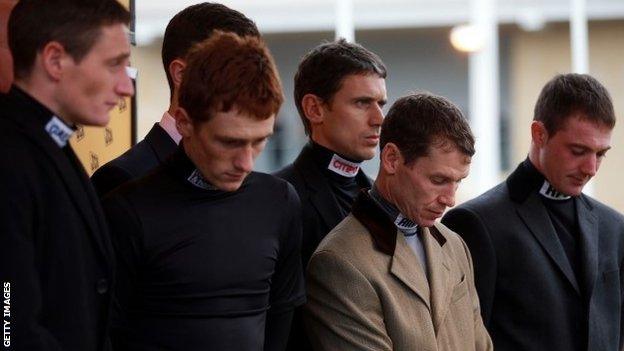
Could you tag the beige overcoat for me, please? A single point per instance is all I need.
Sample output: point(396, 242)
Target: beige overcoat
point(368, 291)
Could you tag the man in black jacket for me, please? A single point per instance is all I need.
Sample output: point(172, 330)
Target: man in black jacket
point(548, 259)
point(190, 26)
point(56, 265)
point(340, 90)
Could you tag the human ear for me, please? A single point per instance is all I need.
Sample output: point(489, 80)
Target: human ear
point(391, 158)
point(176, 71)
point(313, 108)
point(54, 59)
point(184, 124)
point(539, 135)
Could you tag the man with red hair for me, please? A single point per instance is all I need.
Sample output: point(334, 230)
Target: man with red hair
point(208, 250)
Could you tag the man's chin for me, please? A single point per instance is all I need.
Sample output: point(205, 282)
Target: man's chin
point(229, 186)
point(572, 190)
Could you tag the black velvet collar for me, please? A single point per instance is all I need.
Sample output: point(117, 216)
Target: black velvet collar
point(378, 223)
point(524, 180)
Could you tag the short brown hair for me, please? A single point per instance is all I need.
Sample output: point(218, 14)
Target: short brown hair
point(227, 71)
point(322, 71)
point(197, 23)
point(418, 121)
point(567, 94)
point(75, 24)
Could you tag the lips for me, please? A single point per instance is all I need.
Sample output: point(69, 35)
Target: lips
point(235, 176)
point(579, 180)
point(437, 214)
point(373, 139)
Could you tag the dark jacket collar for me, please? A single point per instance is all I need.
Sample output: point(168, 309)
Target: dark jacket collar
point(381, 228)
point(160, 142)
point(36, 112)
point(318, 186)
point(526, 180)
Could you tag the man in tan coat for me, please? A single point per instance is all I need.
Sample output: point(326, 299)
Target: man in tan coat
point(389, 277)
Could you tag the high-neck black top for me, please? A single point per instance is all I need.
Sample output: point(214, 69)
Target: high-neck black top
point(201, 268)
point(344, 189)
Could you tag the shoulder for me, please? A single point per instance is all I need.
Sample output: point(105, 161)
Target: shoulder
point(454, 241)
point(605, 212)
point(149, 187)
point(135, 161)
point(349, 239)
point(269, 185)
point(286, 173)
point(492, 198)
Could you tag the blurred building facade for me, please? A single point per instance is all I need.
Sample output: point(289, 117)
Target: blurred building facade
point(412, 37)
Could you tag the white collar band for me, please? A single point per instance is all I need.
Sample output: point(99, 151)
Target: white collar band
point(343, 167)
point(58, 131)
point(549, 192)
point(405, 225)
point(198, 180)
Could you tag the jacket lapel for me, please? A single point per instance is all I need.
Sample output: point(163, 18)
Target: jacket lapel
point(439, 276)
point(404, 264)
point(588, 227)
point(535, 217)
point(406, 267)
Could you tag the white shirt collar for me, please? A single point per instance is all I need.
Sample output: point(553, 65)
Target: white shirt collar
point(168, 123)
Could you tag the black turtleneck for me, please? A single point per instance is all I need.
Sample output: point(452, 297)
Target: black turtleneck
point(204, 268)
point(344, 189)
point(562, 213)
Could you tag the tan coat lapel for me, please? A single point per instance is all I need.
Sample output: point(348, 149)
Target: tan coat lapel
point(406, 267)
point(439, 277)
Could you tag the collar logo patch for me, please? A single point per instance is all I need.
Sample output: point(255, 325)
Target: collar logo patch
point(198, 180)
point(406, 225)
point(58, 131)
point(549, 192)
point(343, 167)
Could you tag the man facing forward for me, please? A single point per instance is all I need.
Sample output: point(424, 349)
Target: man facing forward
point(208, 251)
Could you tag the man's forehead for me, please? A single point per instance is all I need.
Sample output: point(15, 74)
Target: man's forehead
point(357, 83)
point(234, 124)
point(584, 131)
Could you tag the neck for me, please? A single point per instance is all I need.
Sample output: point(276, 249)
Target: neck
point(382, 184)
point(534, 158)
point(173, 104)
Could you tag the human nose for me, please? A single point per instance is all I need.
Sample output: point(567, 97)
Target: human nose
point(244, 160)
point(590, 165)
point(125, 86)
point(448, 197)
point(376, 116)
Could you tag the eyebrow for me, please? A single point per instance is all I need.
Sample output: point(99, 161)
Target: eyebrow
point(235, 139)
point(584, 147)
point(120, 57)
point(370, 98)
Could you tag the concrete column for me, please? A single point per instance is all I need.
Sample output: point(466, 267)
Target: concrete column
point(579, 45)
point(344, 20)
point(484, 98)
